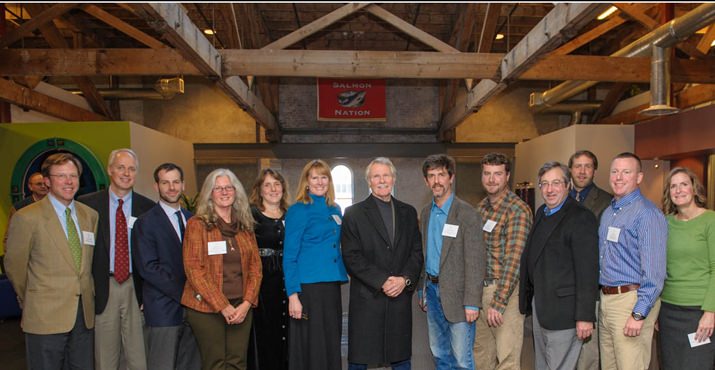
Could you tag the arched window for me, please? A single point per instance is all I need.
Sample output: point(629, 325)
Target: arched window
point(343, 183)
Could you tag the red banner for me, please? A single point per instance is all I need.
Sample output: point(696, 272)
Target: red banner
point(351, 100)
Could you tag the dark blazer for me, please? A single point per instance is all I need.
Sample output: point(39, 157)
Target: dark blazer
point(380, 328)
point(597, 200)
point(157, 254)
point(463, 261)
point(564, 278)
point(99, 201)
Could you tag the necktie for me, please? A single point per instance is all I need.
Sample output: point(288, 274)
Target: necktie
point(73, 239)
point(121, 246)
point(181, 225)
point(578, 196)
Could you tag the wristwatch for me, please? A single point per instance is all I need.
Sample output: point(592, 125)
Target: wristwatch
point(408, 282)
point(637, 316)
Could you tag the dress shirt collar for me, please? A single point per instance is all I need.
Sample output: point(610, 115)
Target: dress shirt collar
point(446, 206)
point(59, 206)
point(626, 200)
point(550, 211)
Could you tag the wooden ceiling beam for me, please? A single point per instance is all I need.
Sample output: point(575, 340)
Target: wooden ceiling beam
point(315, 26)
point(410, 30)
point(637, 12)
point(462, 35)
point(41, 18)
point(561, 24)
point(586, 37)
point(611, 100)
point(171, 20)
point(54, 38)
point(707, 39)
point(122, 26)
point(27, 98)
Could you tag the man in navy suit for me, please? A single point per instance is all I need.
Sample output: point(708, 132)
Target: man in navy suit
point(158, 241)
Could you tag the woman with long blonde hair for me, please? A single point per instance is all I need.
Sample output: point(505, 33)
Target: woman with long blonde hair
point(314, 270)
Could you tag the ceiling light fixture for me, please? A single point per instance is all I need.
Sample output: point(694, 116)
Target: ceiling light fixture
point(209, 31)
point(607, 13)
point(712, 43)
point(499, 36)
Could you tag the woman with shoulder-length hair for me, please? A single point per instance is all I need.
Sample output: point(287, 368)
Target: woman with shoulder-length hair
point(223, 271)
point(270, 319)
point(689, 292)
point(314, 270)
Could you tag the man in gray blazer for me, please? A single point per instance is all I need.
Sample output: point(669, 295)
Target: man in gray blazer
point(455, 260)
point(583, 165)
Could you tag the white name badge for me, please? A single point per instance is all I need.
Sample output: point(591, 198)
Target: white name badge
point(88, 237)
point(694, 343)
point(131, 221)
point(613, 234)
point(217, 247)
point(337, 219)
point(450, 230)
point(489, 225)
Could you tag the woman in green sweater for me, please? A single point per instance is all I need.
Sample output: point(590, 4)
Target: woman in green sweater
point(688, 308)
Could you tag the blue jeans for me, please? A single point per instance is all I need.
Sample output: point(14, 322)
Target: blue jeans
point(451, 343)
point(400, 365)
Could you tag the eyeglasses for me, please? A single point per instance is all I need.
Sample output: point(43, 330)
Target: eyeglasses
point(65, 176)
point(221, 189)
point(553, 184)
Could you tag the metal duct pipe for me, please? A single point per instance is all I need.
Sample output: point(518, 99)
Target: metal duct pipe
point(164, 89)
point(664, 36)
point(573, 107)
point(660, 83)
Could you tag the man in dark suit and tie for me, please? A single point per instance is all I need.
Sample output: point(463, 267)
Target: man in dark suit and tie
point(49, 256)
point(559, 272)
point(455, 263)
point(382, 251)
point(119, 326)
point(583, 165)
point(158, 236)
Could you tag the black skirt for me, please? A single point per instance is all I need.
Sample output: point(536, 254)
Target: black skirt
point(314, 342)
point(676, 322)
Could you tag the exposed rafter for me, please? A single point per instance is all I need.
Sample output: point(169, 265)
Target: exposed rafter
point(122, 26)
point(560, 25)
point(182, 33)
point(39, 19)
point(27, 98)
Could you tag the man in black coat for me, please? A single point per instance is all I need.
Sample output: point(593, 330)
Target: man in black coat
point(382, 251)
point(118, 295)
point(559, 272)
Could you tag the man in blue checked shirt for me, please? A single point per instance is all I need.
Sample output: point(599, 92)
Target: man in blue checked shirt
point(632, 238)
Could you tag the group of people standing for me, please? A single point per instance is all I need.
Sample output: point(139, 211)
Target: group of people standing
point(248, 281)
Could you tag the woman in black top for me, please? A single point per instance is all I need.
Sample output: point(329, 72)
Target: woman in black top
point(270, 321)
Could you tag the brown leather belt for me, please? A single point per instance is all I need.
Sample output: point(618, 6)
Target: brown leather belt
point(619, 289)
point(434, 279)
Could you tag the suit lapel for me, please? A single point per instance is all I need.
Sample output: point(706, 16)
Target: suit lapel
point(85, 224)
point(55, 231)
point(165, 224)
point(374, 214)
point(452, 219)
point(559, 216)
point(400, 214)
point(103, 210)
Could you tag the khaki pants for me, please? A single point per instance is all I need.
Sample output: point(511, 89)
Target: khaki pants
point(499, 348)
point(617, 350)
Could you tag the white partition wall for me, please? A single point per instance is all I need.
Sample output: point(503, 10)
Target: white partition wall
point(606, 141)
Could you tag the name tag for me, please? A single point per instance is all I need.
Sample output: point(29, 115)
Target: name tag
point(337, 219)
point(131, 221)
point(489, 225)
point(217, 247)
point(88, 237)
point(694, 343)
point(613, 234)
point(450, 230)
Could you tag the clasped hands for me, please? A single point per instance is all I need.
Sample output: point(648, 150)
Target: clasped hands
point(236, 315)
point(393, 286)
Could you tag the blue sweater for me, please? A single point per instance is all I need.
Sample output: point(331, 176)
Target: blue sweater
point(312, 245)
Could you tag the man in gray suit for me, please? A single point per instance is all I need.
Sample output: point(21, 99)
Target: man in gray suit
point(583, 165)
point(455, 260)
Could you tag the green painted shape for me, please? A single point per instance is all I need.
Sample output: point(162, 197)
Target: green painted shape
point(99, 138)
point(53, 144)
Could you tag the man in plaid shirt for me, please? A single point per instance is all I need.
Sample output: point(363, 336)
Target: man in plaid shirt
point(507, 222)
